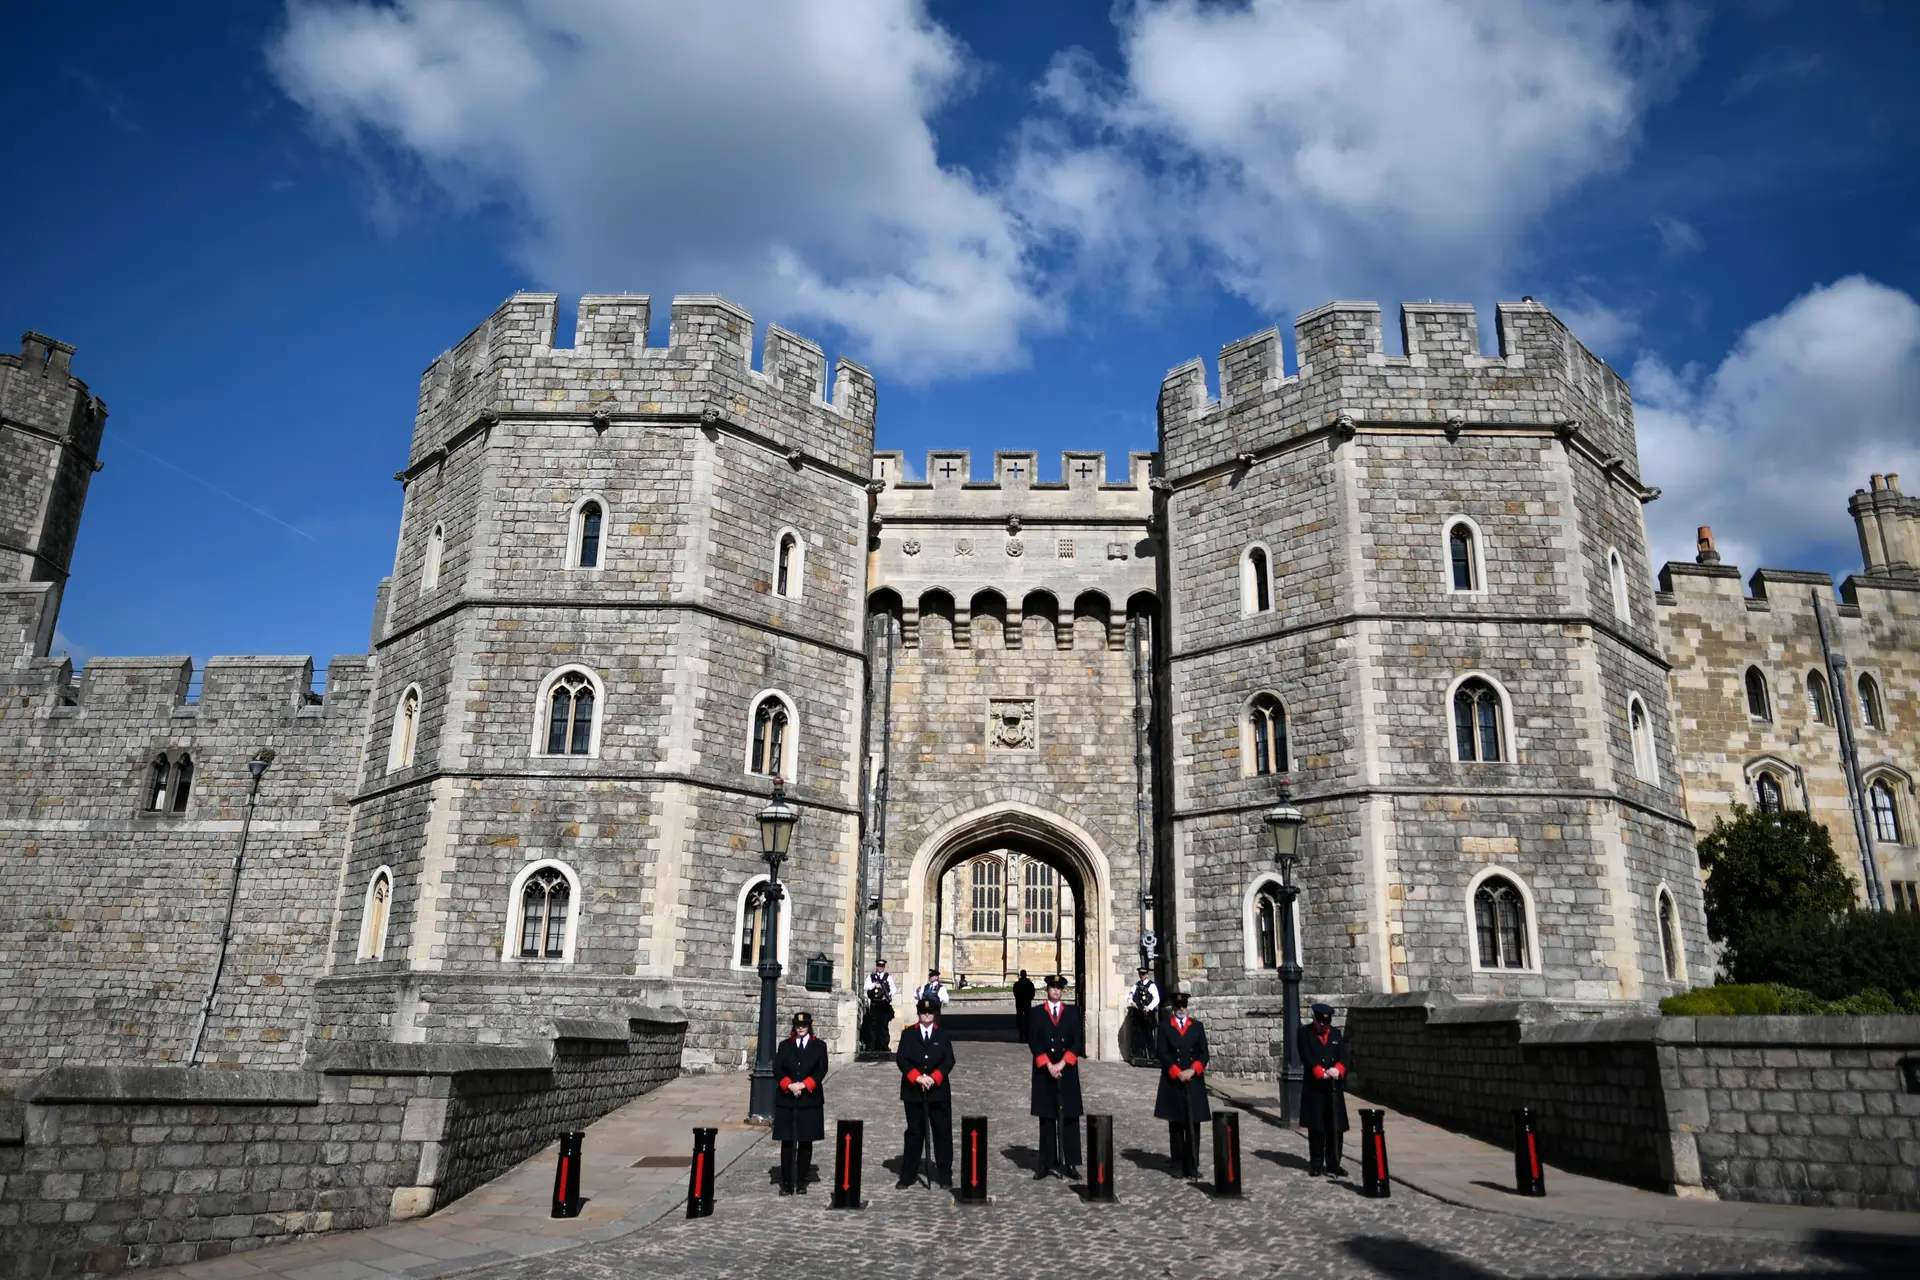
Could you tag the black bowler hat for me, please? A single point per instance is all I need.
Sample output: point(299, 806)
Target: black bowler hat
point(928, 1005)
point(1323, 1011)
point(803, 1019)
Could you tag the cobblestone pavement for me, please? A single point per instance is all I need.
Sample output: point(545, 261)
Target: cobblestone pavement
point(1288, 1224)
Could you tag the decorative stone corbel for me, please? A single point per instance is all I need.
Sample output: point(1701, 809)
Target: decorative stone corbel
point(1160, 484)
point(1013, 528)
point(1456, 422)
point(602, 419)
point(1344, 426)
point(1246, 462)
point(795, 458)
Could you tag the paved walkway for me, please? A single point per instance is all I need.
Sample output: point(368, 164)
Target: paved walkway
point(1465, 1226)
point(633, 1173)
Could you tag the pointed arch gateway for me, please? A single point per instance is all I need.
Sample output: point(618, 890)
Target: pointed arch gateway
point(1037, 838)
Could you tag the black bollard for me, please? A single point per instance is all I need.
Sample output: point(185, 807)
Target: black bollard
point(1100, 1158)
point(1527, 1177)
point(1226, 1153)
point(566, 1177)
point(973, 1160)
point(846, 1164)
point(700, 1178)
point(1373, 1154)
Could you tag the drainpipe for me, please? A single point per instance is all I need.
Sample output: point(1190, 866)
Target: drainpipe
point(256, 766)
point(1850, 756)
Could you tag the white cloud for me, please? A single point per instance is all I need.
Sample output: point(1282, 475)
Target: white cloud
point(1678, 238)
point(1308, 148)
point(1767, 447)
point(779, 153)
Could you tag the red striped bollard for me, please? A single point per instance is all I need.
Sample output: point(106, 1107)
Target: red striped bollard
point(973, 1160)
point(1100, 1158)
point(566, 1176)
point(700, 1175)
point(1226, 1153)
point(846, 1164)
point(1527, 1176)
point(1373, 1154)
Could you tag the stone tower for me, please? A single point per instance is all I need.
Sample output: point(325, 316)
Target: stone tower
point(612, 558)
point(1313, 523)
point(49, 442)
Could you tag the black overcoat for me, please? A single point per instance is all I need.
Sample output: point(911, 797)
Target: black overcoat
point(1056, 1041)
point(918, 1056)
point(1022, 1001)
point(801, 1119)
point(1323, 1100)
point(1178, 1050)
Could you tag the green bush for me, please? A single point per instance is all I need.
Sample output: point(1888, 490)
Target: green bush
point(1764, 865)
point(1832, 959)
point(1708, 1002)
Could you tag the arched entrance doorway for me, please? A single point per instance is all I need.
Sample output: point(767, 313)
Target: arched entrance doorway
point(1011, 887)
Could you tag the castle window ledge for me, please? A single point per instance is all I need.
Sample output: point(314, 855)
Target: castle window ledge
point(183, 713)
point(1759, 606)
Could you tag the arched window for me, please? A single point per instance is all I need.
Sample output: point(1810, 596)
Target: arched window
point(1646, 760)
point(182, 781)
point(986, 896)
point(1670, 954)
point(570, 703)
point(586, 534)
point(1266, 927)
point(1477, 725)
point(1758, 707)
point(1042, 883)
point(373, 915)
point(1464, 570)
point(1871, 711)
point(1617, 578)
point(406, 726)
point(1766, 790)
point(1500, 925)
point(430, 566)
point(750, 925)
point(1266, 741)
point(789, 562)
point(771, 751)
point(1886, 813)
point(1816, 697)
point(546, 905)
point(157, 778)
point(1256, 581)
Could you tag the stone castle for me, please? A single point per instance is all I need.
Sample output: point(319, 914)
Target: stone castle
point(1029, 723)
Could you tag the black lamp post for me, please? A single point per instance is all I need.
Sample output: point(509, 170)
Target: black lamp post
point(776, 833)
point(1284, 822)
point(256, 769)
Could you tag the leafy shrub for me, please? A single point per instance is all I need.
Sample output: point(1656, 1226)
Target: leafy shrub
point(1832, 959)
point(1722, 1001)
point(1762, 866)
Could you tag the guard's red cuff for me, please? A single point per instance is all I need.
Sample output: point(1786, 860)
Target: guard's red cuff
point(1319, 1073)
point(1173, 1073)
point(913, 1076)
point(1199, 1068)
point(936, 1076)
point(1040, 1060)
point(785, 1081)
point(1070, 1060)
point(808, 1082)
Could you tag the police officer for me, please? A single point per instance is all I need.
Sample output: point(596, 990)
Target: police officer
point(934, 989)
point(925, 1059)
point(1181, 1046)
point(1146, 1006)
point(1323, 1097)
point(800, 1103)
point(1057, 1042)
point(879, 1021)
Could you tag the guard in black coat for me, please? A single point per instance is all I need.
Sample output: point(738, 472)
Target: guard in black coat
point(1022, 1001)
point(800, 1103)
point(1057, 1041)
point(1323, 1095)
point(1181, 1046)
point(925, 1059)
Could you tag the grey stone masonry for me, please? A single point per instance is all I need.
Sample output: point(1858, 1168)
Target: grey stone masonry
point(1344, 483)
point(1814, 1111)
point(149, 1166)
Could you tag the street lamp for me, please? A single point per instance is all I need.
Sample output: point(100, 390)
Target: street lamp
point(776, 834)
point(1284, 823)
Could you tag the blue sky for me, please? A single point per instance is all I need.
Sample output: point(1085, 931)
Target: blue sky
point(259, 223)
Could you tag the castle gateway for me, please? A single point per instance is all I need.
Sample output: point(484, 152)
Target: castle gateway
point(1031, 723)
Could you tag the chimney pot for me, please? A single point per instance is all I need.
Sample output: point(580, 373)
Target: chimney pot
point(1704, 550)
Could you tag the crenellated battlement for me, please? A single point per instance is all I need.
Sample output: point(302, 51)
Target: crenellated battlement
point(948, 492)
point(1541, 375)
point(512, 364)
point(228, 686)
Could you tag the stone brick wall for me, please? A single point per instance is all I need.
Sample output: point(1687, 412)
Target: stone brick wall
point(111, 1168)
point(50, 429)
point(1775, 1110)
